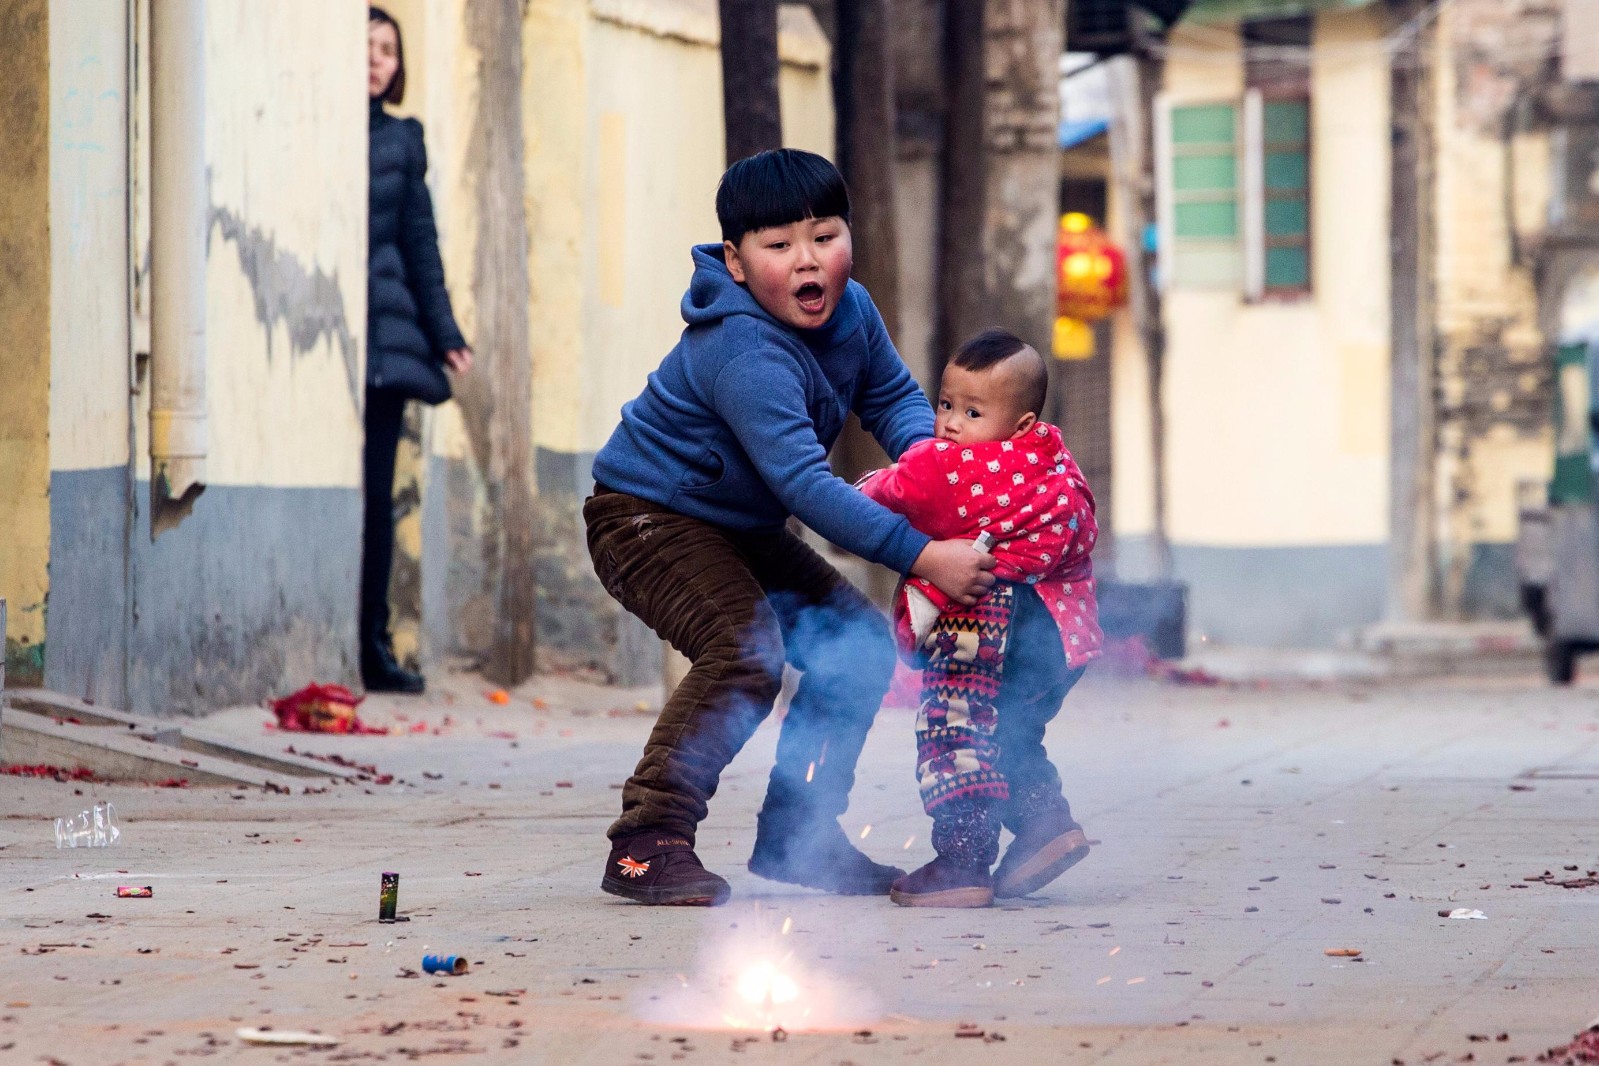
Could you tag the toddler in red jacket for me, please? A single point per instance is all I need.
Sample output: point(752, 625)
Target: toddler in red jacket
point(995, 674)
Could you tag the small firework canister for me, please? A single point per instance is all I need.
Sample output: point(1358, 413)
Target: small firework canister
point(129, 892)
point(388, 897)
point(450, 965)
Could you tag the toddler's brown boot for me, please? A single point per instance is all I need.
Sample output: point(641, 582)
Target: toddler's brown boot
point(1045, 847)
point(943, 883)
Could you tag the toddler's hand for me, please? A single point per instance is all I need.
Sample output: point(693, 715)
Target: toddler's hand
point(960, 572)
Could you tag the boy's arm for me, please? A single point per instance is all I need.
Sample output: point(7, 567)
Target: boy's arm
point(763, 402)
point(891, 406)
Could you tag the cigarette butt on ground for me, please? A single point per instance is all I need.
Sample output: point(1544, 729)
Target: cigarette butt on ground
point(1343, 953)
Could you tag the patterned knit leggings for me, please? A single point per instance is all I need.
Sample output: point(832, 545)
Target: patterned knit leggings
point(961, 785)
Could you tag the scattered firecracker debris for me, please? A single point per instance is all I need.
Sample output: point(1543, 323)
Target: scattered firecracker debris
point(365, 771)
point(1343, 953)
point(969, 1031)
point(321, 709)
point(58, 773)
point(563, 784)
point(173, 782)
point(1549, 877)
point(1582, 1051)
point(499, 697)
point(540, 703)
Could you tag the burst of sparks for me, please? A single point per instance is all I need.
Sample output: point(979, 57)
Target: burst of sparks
point(908, 842)
point(866, 832)
point(1102, 980)
point(788, 924)
point(810, 772)
point(1135, 980)
point(1114, 950)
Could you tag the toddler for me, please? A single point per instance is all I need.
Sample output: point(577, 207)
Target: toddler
point(995, 674)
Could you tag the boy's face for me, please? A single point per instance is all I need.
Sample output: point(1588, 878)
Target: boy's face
point(796, 272)
point(981, 405)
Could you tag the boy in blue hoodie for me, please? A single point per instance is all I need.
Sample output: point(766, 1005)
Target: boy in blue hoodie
point(687, 531)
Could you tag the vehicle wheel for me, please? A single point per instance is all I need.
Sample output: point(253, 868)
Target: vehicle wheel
point(1560, 662)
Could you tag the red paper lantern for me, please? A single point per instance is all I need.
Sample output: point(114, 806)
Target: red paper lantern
point(1090, 271)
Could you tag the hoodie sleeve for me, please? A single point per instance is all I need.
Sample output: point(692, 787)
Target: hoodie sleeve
point(891, 406)
point(761, 398)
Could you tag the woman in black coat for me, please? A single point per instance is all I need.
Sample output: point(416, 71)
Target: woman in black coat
point(410, 330)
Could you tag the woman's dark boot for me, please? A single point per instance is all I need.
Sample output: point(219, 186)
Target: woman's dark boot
point(381, 673)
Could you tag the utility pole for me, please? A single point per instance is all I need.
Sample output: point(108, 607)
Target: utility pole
point(1412, 588)
point(1136, 82)
point(750, 110)
point(868, 156)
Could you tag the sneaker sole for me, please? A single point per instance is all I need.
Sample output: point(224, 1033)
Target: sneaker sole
point(968, 898)
point(1052, 860)
point(774, 872)
point(655, 896)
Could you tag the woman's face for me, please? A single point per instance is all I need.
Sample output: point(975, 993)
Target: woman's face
point(382, 57)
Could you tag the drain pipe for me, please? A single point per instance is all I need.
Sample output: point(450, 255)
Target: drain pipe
point(179, 221)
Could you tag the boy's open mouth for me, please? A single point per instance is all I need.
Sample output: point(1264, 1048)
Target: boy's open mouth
point(811, 296)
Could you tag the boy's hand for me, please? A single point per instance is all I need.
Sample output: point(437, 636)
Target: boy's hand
point(959, 571)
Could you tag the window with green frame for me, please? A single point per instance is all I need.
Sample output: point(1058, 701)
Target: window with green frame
point(1285, 193)
point(1235, 184)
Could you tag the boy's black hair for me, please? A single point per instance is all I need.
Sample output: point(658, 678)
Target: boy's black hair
point(992, 347)
point(777, 187)
point(396, 90)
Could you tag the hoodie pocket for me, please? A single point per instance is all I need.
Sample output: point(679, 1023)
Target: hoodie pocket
point(707, 471)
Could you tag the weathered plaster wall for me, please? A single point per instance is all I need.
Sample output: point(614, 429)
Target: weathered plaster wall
point(25, 327)
point(254, 593)
point(1276, 412)
point(90, 364)
point(1492, 366)
point(622, 151)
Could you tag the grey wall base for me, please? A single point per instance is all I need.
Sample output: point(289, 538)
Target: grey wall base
point(1270, 597)
point(252, 595)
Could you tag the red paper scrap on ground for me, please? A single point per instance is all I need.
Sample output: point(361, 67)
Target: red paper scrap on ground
point(60, 773)
point(321, 709)
point(1582, 1050)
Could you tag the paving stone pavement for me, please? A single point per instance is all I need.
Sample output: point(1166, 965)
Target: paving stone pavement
point(1242, 833)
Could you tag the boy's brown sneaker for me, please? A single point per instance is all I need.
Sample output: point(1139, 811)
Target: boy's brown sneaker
point(661, 869)
point(1040, 853)
point(941, 883)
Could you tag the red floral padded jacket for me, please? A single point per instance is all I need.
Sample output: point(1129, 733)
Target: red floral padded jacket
point(1029, 494)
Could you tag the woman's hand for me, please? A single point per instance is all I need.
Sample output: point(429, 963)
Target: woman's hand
point(959, 570)
point(459, 359)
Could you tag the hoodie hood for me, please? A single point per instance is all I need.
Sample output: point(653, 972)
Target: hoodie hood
point(713, 295)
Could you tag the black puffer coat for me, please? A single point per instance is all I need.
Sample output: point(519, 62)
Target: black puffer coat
point(409, 323)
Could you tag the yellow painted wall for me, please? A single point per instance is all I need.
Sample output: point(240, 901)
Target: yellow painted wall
point(286, 145)
point(25, 324)
point(89, 234)
point(1277, 413)
point(654, 154)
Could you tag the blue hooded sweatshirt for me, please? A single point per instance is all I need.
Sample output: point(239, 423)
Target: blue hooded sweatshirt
point(735, 425)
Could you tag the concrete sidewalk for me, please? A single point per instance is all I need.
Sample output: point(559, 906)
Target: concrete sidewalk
point(1244, 832)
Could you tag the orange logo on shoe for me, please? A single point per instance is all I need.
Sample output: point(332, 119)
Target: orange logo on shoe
point(631, 867)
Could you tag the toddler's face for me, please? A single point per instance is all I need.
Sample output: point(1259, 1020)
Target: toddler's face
point(980, 405)
point(797, 272)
